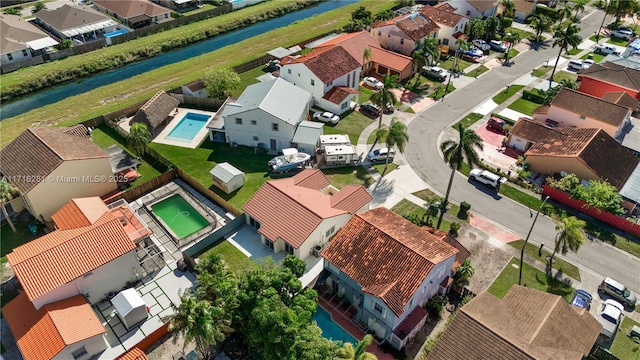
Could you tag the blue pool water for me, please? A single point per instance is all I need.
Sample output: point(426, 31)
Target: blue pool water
point(115, 33)
point(188, 127)
point(330, 329)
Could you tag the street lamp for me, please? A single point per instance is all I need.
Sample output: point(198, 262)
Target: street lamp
point(527, 239)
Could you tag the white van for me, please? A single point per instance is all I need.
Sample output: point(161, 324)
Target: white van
point(487, 177)
point(575, 65)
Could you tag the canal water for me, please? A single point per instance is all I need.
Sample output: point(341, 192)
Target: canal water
point(55, 94)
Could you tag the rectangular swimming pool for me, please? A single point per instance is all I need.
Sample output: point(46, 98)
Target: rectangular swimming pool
point(188, 127)
point(181, 218)
point(330, 329)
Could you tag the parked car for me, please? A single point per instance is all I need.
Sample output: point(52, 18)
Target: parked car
point(606, 50)
point(481, 44)
point(487, 177)
point(581, 299)
point(586, 63)
point(496, 124)
point(622, 34)
point(474, 52)
point(372, 82)
point(624, 28)
point(617, 291)
point(575, 65)
point(326, 117)
point(435, 72)
point(498, 46)
point(381, 155)
point(609, 317)
point(370, 108)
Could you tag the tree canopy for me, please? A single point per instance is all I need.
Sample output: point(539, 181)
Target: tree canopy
point(220, 82)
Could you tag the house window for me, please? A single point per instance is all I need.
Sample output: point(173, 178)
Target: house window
point(379, 309)
point(401, 41)
point(330, 83)
point(445, 41)
point(313, 82)
point(24, 52)
point(344, 105)
point(348, 81)
point(288, 248)
point(582, 117)
point(410, 302)
point(269, 244)
point(468, 12)
point(353, 79)
point(289, 71)
point(166, 16)
point(274, 127)
point(455, 29)
point(239, 121)
point(379, 33)
point(298, 74)
point(10, 56)
point(79, 353)
point(254, 122)
point(331, 231)
point(255, 138)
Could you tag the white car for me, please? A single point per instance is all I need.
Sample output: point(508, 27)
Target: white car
point(498, 46)
point(610, 317)
point(606, 50)
point(370, 81)
point(622, 34)
point(326, 117)
point(487, 177)
point(381, 155)
point(435, 72)
point(587, 63)
point(481, 44)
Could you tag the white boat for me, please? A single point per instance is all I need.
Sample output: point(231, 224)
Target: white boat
point(289, 160)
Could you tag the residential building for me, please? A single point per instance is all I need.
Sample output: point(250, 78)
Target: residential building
point(402, 33)
point(20, 40)
point(134, 13)
point(300, 213)
point(178, 5)
point(525, 324)
point(330, 74)
point(266, 115)
point(622, 98)
point(590, 154)
point(387, 268)
point(523, 9)
point(451, 24)
point(600, 79)
point(156, 113)
point(475, 8)
point(571, 108)
point(75, 22)
point(51, 165)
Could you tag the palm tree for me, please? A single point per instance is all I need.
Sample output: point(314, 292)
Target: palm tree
point(455, 153)
point(384, 96)
point(541, 24)
point(564, 12)
point(7, 193)
point(509, 8)
point(510, 39)
point(579, 8)
point(609, 9)
point(366, 57)
point(396, 136)
point(569, 237)
point(491, 24)
point(431, 49)
point(563, 39)
point(139, 137)
point(347, 352)
point(38, 6)
point(463, 272)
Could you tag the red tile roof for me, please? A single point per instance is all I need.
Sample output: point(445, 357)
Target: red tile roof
point(292, 208)
point(524, 6)
point(328, 63)
point(462, 254)
point(415, 25)
point(339, 93)
point(133, 354)
point(61, 256)
point(390, 59)
point(43, 333)
point(386, 254)
point(611, 73)
point(590, 106)
point(442, 14)
point(79, 212)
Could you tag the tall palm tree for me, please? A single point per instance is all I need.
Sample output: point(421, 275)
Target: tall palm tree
point(509, 8)
point(512, 39)
point(609, 9)
point(541, 24)
point(347, 352)
point(139, 136)
point(419, 60)
point(463, 272)
point(384, 96)
point(578, 8)
point(562, 39)
point(7, 193)
point(431, 49)
point(455, 153)
point(366, 57)
point(38, 6)
point(565, 12)
point(396, 136)
point(569, 237)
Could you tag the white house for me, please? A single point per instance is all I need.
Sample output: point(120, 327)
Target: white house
point(401, 33)
point(451, 24)
point(20, 40)
point(475, 8)
point(300, 213)
point(330, 74)
point(266, 114)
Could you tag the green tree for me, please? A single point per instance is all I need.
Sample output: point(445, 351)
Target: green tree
point(600, 195)
point(569, 237)
point(362, 15)
point(492, 24)
point(12, 11)
point(578, 8)
point(65, 44)
point(564, 12)
point(396, 136)
point(366, 58)
point(383, 15)
point(566, 183)
point(512, 39)
point(610, 8)
point(509, 8)
point(505, 23)
point(7, 193)
point(419, 60)
point(216, 283)
point(624, 8)
point(139, 137)
point(430, 47)
point(348, 352)
point(38, 6)
point(563, 39)
point(455, 153)
point(541, 24)
point(476, 29)
point(384, 97)
point(220, 82)
point(294, 264)
point(463, 272)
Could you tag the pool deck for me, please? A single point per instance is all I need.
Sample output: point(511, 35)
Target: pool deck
point(162, 137)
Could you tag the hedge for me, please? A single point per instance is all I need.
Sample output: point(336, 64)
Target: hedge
point(506, 119)
point(533, 95)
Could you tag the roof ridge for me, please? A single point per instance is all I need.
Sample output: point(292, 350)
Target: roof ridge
point(47, 145)
point(296, 201)
point(593, 97)
point(545, 318)
point(588, 142)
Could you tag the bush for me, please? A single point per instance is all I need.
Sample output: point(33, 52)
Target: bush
point(454, 228)
point(506, 22)
point(434, 307)
point(464, 209)
point(533, 96)
point(506, 119)
point(506, 129)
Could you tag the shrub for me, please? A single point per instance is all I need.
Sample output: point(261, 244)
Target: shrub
point(464, 208)
point(506, 129)
point(533, 96)
point(454, 228)
point(434, 307)
point(506, 22)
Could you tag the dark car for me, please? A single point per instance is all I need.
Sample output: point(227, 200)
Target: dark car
point(496, 124)
point(581, 299)
point(370, 108)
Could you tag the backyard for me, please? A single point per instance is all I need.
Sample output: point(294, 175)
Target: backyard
point(237, 262)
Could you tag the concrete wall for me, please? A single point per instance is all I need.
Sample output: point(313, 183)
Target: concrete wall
point(391, 38)
point(94, 345)
point(567, 118)
point(518, 142)
point(301, 76)
point(548, 166)
point(72, 179)
point(243, 134)
point(322, 234)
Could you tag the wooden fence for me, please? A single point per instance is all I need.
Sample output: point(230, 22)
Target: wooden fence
point(608, 218)
point(152, 338)
point(207, 192)
point(207, 103)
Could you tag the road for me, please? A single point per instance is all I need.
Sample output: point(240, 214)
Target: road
point(423, 155)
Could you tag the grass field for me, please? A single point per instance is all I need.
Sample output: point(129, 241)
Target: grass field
point(567, 269)
point(11, 240)
point(506, 93)
point(468, 120)
point(542, 70)
point(406, 207)
point(596, 57)
point(237, 262)
point(341, 177)
point(352, 125)
point(524, 106)
point(562, 75)
point(623, 347)
point(617, 41)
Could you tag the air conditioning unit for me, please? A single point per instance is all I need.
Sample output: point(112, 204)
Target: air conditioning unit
point(317, 250)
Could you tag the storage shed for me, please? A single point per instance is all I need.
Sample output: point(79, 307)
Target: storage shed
point(130, 307)
point(226, 177)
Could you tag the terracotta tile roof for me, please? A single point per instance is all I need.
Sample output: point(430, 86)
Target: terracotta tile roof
point(390, 59)
point(410, 322)
point(535, 131)
point(590, 106)
point(442, 14)
point(621, 98)
point(482, 5)
point(608, 159)
point(462, 254)
point(329, 63)
point(386, 254)
point(79, 212)
point(38, 151)
point(353, 43)
point(43, 333)
point(130, 8)
point(338, 93)
point(415, 26)
point(525, 324)
point(155, 110)
point(460, 35)
point(351, 198)
point(567, 142)
point(292, 208)
point(133, 354)
point(61, 256)
point(611, 73)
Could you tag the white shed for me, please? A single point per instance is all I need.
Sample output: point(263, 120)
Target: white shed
point(226, 177)
point(130, 307)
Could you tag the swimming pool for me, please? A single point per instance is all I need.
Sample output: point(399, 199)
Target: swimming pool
point(180, 217)
point(116, 33)
point(188, 127)
point(330, 329)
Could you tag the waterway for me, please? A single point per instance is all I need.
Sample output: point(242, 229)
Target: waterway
point(55, 94)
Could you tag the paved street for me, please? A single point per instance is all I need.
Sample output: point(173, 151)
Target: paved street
point(424, 157)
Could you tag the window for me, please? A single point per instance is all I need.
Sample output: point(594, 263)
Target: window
point(344, 105)
point(468, 12)
point(582, 117)
point(379, 33)
point(331, 231)
point(79, 353)
point(254, 122)
point(389, 35)
point(401, 41)
point(455, 29)
point(379, 309)
point(24, 52)
point(238, 121)
point(288, 248)
point(255, 138)
point(269, 244)
point(330, 83)
point(313, 82)
point(274, 127)
point(298, 74)
point(410, 302)
point(445, 41)
point(166, 16)
point(10, 56)
point(289, 71)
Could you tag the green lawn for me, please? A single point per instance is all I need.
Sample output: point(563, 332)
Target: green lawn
point(428, 195)
point(617, 41)
point(573, 51)
point(238, 262)
point(521, 197)
point(507, 93)
point(581, 2)
point(341, 177)
point(524, 106)
point(478, 71)
point(352, 124)
point(628, 245)
point(440, 91)
point(562, 75)
point(406, 207)
point(365, 94)
point(542, 70)
point(468, 120)
point(512, 53)
point(380, 168)
point(11, 240)
point(523, 33)
point(623, 347)
point(204, 7)
point(596, 57)
point(531, 277)
point(463, 64)
point(567, 269)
